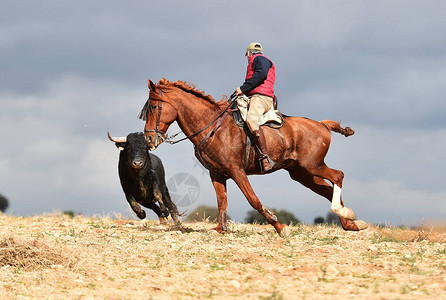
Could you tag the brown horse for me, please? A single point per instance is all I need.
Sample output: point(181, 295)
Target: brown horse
point(299, 147)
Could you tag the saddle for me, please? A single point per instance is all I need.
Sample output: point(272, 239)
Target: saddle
point(272, 118)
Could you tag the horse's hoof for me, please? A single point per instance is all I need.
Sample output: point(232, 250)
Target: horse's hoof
point(218, 229)
point(285, 232)
point(345, 212)
point(361, 224)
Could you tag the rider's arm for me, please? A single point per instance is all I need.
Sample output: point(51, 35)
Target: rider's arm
point(261, 67)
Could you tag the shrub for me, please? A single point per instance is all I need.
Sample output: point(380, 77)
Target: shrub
point(284, 217)
point(69, 213)
point(332, 218)
point(319, 220)
point(204, 213)
point(3, 203)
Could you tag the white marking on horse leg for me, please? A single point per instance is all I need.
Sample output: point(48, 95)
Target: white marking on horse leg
point(272, 216)
point(224, 221)
point(336, 200)
point(336, 206)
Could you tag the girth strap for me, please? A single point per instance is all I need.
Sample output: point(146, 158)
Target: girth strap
point(210, 133)
point(247, 151)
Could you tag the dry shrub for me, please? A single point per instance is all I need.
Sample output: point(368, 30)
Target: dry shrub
point(436, 230)
point(29, 255)
point(434, 235)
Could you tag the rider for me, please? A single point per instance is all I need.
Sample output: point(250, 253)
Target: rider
point(259, 87)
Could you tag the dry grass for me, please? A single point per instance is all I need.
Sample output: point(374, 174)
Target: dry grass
point(29, 255)
point(58, 257)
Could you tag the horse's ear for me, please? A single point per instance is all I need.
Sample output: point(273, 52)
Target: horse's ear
point(152, 86)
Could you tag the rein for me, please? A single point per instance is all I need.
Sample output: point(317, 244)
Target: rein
point(168, 139)
point(220, 118)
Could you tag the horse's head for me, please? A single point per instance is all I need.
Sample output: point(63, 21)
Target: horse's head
point(159, 113)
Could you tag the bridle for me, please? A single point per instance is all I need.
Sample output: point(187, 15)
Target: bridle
point(162, 136)
point(159, 134)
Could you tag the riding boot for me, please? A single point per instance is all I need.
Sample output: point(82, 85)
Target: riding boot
point(266, 163)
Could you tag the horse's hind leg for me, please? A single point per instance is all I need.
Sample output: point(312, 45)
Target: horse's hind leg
point(242, 182)
point(321, 187)
point(336, 177)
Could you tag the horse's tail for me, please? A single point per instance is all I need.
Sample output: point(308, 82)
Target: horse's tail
point(336, 127)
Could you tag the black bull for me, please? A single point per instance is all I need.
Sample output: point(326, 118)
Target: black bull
point(142, 178)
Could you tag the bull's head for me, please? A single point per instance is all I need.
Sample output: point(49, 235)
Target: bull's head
point(134, 149)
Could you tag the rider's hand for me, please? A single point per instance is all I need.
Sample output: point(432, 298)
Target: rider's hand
point(238, 91)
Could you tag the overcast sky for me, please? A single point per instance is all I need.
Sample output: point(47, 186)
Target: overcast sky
point(71, 71)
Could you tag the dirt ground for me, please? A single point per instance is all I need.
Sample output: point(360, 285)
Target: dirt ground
point(58, 257)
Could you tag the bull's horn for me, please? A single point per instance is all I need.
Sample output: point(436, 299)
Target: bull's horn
point(117, 139)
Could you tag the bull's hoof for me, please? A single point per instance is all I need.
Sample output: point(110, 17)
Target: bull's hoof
point(145, 223)
point(360, 224)
point(141, 214)
point(345, 212)
point(163, 220)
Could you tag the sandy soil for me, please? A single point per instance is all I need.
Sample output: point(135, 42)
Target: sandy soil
point(58, 257)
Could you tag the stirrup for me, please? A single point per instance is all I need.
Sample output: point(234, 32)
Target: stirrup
point(270, 162)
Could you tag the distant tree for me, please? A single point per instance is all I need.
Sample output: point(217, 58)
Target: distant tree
point(3, 203)
point(204, 213)
point(69, 213)
point(319, 220)
point(332, 218)
point(284, 217)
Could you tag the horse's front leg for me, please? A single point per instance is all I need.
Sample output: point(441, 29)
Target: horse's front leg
point(241, 179)
point(219, 183)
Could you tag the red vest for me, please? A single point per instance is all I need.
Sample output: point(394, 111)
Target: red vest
point(267, 87)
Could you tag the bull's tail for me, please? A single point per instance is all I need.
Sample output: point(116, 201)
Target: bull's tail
point(336, 127)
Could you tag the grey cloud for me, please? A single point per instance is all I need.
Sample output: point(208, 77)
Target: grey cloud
point(73, 71)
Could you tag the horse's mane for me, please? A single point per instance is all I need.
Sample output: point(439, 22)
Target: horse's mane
point(188, 88)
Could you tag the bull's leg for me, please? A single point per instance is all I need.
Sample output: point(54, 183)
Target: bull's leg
point(162, 213)
point(135, 206)
point(222, 201)
point(242, 182)
point(168, 201)
point(321, 187)
point(156, 209)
